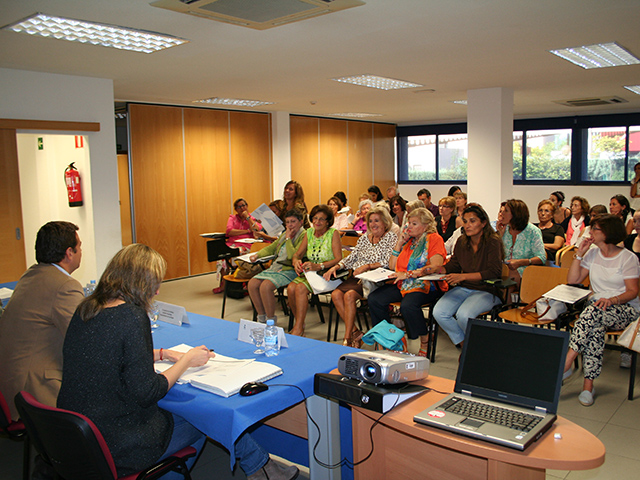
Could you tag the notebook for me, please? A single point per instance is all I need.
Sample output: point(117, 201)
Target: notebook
point(506, 371)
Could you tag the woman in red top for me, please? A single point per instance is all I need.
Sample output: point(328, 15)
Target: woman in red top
point(418, 246)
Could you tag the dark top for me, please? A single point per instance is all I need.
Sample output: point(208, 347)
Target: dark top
point(487, 260)
point(628, 243)
point(451, 227)
point(549, 236)
point(108, 376)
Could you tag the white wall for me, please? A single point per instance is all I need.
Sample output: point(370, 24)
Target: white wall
point(44, 96)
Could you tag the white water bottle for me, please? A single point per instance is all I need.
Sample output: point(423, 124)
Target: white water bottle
point(271, 344)
point(90, 288)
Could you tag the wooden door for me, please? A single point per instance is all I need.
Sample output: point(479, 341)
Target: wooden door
point(13, 262)
point(125, 199)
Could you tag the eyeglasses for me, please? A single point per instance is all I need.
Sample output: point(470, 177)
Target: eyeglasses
point(445, 206)
point(319, 219)
point(242, 205)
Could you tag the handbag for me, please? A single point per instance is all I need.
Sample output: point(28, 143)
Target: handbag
point(549, 309)
point(629, 338)
point(247, 270)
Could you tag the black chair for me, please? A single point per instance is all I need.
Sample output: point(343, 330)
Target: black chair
point(75, 448)
point(15, 430)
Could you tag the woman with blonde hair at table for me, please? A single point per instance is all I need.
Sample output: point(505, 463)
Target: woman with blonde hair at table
point(322, 248)
point(372, 251)
point(109, 376)
point(418, 247)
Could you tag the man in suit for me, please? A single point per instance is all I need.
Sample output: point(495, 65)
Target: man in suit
point(34, 323)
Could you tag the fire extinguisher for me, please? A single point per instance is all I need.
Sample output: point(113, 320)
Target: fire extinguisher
point(72, 179)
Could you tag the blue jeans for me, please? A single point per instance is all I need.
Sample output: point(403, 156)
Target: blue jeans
point(457, 306)
point(249, 454)
point(410, 307)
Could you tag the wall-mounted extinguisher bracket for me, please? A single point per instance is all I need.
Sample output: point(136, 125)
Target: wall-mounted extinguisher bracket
point(72, 180)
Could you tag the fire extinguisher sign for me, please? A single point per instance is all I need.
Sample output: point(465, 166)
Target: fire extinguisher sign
point(72, 181)
point(79, 141)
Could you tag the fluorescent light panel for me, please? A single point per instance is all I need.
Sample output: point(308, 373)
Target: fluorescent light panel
point(633, 88)
point(355, 115)
point(234, 102)
point(374, 81)
point(101, 34)
point(597, 56)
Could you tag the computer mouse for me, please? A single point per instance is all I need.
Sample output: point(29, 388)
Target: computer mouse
point(252, 388)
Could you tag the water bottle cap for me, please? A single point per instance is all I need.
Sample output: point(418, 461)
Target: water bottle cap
point(93, 282)
point(269, 322)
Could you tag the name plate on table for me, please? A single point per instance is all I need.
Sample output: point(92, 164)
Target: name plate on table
point(174, 314)
point(244, 332)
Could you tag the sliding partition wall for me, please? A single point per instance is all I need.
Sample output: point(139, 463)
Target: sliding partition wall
point(189, 164)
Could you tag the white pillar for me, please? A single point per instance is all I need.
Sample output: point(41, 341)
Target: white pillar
point(281, 148)
point(490, 128)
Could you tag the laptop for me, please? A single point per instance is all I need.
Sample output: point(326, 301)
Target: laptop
point(507, 387)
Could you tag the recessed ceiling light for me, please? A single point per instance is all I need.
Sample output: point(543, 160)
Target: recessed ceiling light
point(105, 35)
point(633, 88)
point(597, 56)
point(373, 81)
point(355, 115)
point(235, 102)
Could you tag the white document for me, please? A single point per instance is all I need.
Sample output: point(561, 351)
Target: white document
point(433, 277)
point(380, 274)
point(5, 293)
point(248, 241)
point(214, 235)
point(269, 220)
point(244, 332)
point(222, 375)
point(174, 314)
point(567, 294)
point(247, 258)
point(319, 284)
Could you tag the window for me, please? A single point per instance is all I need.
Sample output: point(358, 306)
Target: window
point(453, 153)
point(606, 151)
point(548, 155)
point(421, 154)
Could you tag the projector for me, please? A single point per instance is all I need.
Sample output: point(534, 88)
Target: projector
point(383, 367)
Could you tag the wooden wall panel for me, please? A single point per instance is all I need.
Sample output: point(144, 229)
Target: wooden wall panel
point(304, 157)
point(384, 155)
point(360, 171)
point(208, 180)
point(250, 142)
point(124, 193)
point(158, 183)
point(333, 158)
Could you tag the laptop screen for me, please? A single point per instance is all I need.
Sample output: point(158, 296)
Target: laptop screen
point(512, 363)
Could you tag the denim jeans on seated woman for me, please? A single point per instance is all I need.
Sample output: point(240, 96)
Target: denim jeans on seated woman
point(457, 306)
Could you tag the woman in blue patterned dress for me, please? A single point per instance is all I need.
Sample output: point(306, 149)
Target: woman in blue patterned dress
point(322, 249)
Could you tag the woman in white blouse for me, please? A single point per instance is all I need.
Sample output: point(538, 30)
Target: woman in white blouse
point(372, 251)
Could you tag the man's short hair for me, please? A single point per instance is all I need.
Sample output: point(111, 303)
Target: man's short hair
point(424, 191)
point(53, 240)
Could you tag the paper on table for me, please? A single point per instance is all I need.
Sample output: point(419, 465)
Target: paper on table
point(223, 375)
point(174, 314)
point(247, 258)
point(433, 276)
point(319, 284)
point(5, 293)
point(244, 332)
point(214, 235)
point(380, 274)
point(567, 293)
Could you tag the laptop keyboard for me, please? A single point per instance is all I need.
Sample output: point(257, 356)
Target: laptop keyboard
point(492, 414)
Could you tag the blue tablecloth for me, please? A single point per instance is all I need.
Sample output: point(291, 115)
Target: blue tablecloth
point(225, 419)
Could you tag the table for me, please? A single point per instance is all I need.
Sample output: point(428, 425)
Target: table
point(405, 449)
point(225, 419)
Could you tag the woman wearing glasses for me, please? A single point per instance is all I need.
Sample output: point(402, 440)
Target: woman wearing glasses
point(241, 225)
point(320, 249)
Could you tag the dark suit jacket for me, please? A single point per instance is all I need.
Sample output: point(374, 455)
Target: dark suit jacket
point(32, 330)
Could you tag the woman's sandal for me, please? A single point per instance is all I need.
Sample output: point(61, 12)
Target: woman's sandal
point(356, 338)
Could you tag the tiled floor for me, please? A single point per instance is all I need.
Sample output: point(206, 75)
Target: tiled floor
point(612, 418)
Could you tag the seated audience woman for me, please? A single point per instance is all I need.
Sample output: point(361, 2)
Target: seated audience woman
point(575, 224)
point(108, 372)
point(453, 190)
point(293, 197)
point(476, 257)
point(360, 224)
point(522, 240)
point(376, 194)
point(322, 249)
point(446, 222)
point(241, 225)
point(613, 273)
point(619, 206)
point(632, 242)
point(561, 213)
point(634, 194)
point(343, 198)
point(594, 211)
point(552, 233)
point(461, 202)
point(418, 246)
point(372, 251)
point(281, 273)
point(340, 221)
point(398, 209)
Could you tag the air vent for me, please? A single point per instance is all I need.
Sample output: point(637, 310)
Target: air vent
point(591, 102)
point(259, 15)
